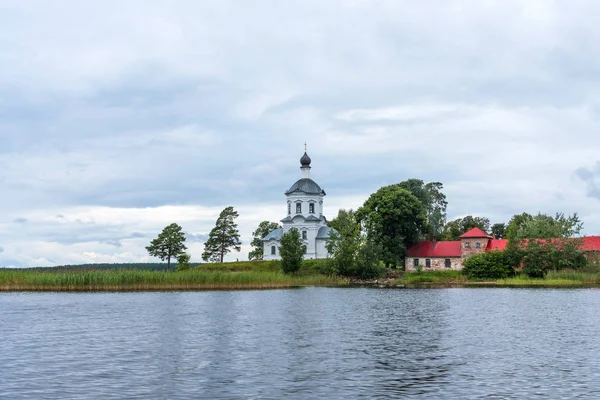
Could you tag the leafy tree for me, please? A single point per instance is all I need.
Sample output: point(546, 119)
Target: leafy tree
point(292, 250)
point(393, 219)
point(339, 223)
point(498, 230)
point(492, 265)
point(169, 243)
point(543, 226)
point(515, 223)
point(454, 229)
point(431, 196)
point(352, 254)
point(183, 261)
point(542, 243)
point(263, 229)
point(223, 237)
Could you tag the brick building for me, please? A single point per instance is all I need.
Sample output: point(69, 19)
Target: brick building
point(451, 254)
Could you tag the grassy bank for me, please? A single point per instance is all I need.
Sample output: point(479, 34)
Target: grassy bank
point(137, 280)
point(566, 278)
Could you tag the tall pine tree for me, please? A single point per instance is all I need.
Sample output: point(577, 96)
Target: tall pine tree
point(168, 244)
point(224, 237)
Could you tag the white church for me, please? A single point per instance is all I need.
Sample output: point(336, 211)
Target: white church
point(305, 213)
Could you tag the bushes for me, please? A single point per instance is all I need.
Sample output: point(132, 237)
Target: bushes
point(492, 265)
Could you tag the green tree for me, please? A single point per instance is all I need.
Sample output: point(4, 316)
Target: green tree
point(168, 244)
point(394, 219)
point(492, 265)
point(292, 250)
point(183, 261)
point(352, 254)
point(541, 243)
point(431, 196)
point(454, 229)
point(498, 230)
point(223, 238)
point(515, 224)
point(263, 229)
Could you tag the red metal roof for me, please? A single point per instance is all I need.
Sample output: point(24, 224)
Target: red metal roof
point(434, 249)
point(454, 249)
point(475, 233)
point(497, 244)
point(591, 243)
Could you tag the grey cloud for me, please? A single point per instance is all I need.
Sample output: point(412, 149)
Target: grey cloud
point(20, 220)
point(591, 178)
point(115, 243)
point(1, 250)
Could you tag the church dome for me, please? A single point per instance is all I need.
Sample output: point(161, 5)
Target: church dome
point(305, 160)
point(306, 185)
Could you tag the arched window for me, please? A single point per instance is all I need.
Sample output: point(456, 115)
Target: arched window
point(289, 208)
point(298, 208)
point(273, 250)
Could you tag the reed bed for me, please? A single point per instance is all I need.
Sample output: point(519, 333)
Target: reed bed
point(132, 280)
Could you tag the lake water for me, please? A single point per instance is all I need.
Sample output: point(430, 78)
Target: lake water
point(306, 343)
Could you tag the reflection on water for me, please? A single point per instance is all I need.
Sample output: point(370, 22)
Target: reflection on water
point(303, 343)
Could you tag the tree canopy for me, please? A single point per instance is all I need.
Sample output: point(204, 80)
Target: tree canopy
point(263, 229)
point(223, 238)
point(292, 250)
point(454, 229)
point(540, 243)
point(394, 218)
point(168, 244)
point(431, 196)
point(352, 254)
point(498, 230)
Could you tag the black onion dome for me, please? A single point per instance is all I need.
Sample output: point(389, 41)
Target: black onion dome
point(305, 160)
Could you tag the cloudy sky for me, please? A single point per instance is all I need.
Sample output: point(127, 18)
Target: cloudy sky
point(120, 117)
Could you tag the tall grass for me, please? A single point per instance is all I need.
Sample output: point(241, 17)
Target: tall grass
point(194, 279)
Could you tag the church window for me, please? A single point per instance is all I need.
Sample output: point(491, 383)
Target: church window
point(304, 235)
point(311, 208)
point(298, 208)
point(289, 208)
point(273, 250)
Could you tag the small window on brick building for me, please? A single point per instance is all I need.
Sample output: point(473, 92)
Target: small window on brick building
point(477, 245)
point(304, 235)
point(467, 245)
point(416, 262)
point(447, 263)
point(427, 263)
point(273, 250)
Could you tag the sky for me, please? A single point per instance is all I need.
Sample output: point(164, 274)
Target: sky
point(119, 118)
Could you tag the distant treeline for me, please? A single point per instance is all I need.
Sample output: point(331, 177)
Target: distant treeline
point(136, 266)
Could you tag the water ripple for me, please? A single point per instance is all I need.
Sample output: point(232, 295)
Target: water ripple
point(300, 344)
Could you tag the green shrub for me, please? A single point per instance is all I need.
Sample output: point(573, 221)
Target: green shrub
point(492, 265)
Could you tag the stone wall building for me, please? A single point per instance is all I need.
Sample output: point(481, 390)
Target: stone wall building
point(450, 255)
